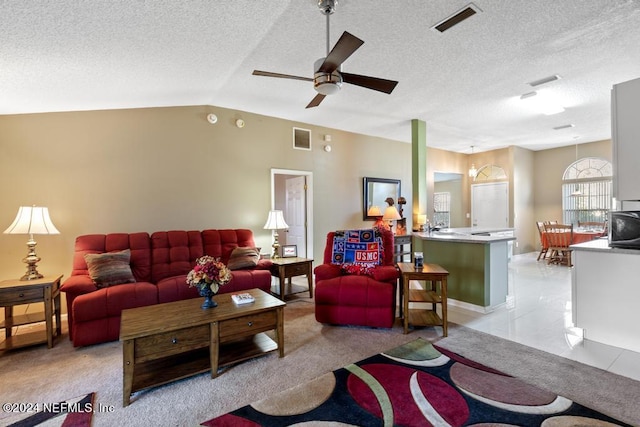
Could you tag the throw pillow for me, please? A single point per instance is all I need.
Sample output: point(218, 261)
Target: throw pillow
point(243, 258)
point(110, 268)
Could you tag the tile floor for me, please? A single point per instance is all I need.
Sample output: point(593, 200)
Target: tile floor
point(538, 314)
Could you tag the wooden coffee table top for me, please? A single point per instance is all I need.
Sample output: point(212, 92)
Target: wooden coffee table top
point(154, 319)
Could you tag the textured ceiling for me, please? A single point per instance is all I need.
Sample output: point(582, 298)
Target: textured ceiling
point(69, 55)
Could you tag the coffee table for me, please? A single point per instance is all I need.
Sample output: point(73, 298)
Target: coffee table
point(166, 342)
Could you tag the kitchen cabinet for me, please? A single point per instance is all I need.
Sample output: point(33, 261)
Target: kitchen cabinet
point(625, 129)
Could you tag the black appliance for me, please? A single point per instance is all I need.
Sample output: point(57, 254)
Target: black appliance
point(624, 229)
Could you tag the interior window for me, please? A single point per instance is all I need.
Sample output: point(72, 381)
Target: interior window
point(441, 209)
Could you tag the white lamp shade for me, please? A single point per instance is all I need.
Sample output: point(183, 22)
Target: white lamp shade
point(275, 221)
point(422, 219)
point(32, 220)
point(374, 211)
point(391, 213)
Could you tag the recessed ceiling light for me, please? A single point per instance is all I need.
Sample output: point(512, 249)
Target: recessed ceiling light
point(544, 80)
point(570, 125)
point(459, 16)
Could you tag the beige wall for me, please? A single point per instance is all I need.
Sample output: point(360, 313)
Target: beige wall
point(449, 162)
point(549, 166)
point(523, 200)
point(169, 169)
point(535, 182)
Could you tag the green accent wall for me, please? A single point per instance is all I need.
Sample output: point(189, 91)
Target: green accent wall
point(419, 167)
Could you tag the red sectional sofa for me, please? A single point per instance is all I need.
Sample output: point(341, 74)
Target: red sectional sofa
point(160, 263)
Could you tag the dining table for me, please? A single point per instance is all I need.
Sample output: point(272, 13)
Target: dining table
point(579, 236)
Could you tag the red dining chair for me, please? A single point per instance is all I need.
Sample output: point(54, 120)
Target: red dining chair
point(559, 238)
point(543, 246)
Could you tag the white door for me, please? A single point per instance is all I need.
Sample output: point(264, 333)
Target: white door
point(490, 205)
point(295, 213)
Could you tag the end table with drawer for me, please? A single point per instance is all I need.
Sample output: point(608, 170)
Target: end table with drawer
point(286, 268)
point(18, 292)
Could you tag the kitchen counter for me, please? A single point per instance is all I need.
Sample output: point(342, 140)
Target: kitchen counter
point(602, 245)
point(456, 235)
point(605, 293)
point(477, 264)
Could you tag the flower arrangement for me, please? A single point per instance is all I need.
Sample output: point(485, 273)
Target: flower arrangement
point(209, 272)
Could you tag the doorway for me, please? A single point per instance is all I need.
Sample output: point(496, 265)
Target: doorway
point(490, 205)
point(292, 193)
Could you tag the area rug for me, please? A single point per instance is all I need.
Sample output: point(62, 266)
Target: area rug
point(75, 412)
point(416, 384)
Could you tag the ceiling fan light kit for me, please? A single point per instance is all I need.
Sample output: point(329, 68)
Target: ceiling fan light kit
point(326, 84)
point(328, 76)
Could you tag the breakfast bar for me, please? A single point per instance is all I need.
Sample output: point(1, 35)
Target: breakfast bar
point(477, 264)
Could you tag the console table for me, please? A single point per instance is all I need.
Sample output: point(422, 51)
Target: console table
point(18, 292)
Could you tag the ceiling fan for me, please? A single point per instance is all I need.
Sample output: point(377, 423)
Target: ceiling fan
point(328, 77)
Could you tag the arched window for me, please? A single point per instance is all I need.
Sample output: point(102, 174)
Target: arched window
point(490, 173)
point(586, 191)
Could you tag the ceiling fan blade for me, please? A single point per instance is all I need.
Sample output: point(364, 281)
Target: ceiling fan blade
point(316, 101)
point(281, 76)
point(375, 83)
point(344, 48)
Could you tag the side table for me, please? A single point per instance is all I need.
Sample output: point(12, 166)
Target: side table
point(286, 268)
point(18, 292)
point(431, 275)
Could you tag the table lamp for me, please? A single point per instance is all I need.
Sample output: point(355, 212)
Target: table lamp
point(375, 212)
point(32, 220)
point(275, 222)
point(391, 214)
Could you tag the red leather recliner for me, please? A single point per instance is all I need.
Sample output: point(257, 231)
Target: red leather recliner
point(352, 299)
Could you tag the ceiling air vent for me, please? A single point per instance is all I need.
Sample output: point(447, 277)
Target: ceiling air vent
point(544, 80)
point(467, 12)
point(564, 127)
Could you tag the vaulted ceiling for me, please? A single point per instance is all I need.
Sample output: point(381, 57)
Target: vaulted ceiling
point(466, 83)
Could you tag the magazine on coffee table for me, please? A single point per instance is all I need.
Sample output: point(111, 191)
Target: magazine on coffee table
point(244, 298)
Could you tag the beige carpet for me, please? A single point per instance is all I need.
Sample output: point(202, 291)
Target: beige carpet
point(311, 349)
